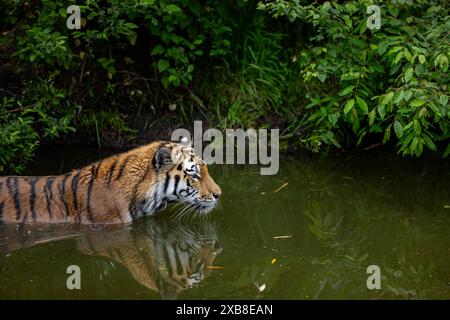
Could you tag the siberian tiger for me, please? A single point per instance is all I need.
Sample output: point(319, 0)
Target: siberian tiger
point(115, 190)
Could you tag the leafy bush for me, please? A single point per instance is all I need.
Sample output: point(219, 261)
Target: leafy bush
point(312, 69)
point(129, 57)
point(362, 82)
point(24, 122)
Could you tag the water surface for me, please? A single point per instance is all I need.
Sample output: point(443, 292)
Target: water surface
point(312, 239)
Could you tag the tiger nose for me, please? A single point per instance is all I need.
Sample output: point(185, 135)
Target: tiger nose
point(216, 194)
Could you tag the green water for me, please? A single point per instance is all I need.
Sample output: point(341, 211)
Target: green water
point(313, 239)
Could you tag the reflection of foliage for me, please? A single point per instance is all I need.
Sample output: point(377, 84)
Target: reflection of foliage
point(323, 225)
point(343, 217)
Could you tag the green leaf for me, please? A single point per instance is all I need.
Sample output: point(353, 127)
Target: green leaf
point(333, 118)
point(346, 91)
point(409, 74)
point(362, 104)
point(172, 8)
point(162, 65)
point(409, 125)
point(447, 151)
point(399, 97)
point(395, 49)
point(443, 99)
point(157, 50)
point(382, 46)
point(414, 144)
point(174, 79)
point(398, 129)
point(381, 111)
point(372, 117)
point(422, 112)
point(132, 37)
point(387, 98)
point(387, 134)
point(409, 56)
point(443, 62)
point(422, 59)
point(417, 103)
point(435, 109)
point(419, 148)
point(398, 57)
point(417, 127)
point(429, 142)
point(349, 105)
point(408, 95)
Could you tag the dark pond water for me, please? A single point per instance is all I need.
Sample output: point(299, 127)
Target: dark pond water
point(313, 239)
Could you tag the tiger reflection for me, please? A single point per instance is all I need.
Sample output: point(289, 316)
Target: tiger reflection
point(163, 256)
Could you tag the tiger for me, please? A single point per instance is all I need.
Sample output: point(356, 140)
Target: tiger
point(115, 190)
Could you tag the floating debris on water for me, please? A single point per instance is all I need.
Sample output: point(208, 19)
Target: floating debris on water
point(261, 288)
point(283, 237)
point(283, 186)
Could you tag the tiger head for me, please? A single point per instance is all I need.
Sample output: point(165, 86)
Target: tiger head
point(185, 178)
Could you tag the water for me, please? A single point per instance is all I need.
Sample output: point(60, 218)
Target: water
point(312, 239)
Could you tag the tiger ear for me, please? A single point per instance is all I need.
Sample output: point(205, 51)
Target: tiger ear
point(162, 158)
point(185, 142)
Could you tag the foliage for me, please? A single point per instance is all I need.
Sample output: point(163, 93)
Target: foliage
point(361, 82)
point(311, 69)
point(129, 57)
point(41, 114)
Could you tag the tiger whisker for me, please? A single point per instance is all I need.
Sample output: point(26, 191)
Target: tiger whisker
point(177, 217)
point(176, 206)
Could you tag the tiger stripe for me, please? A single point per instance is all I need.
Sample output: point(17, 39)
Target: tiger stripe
point(132, 209)
point(122, 167)
point(166, 182)
point(97, 169)
point(13, 189)
point(48, 198)
point(1, 211)
point(89, 193)
point(111, 173)
point(177, 181)
point(75, 194)
point(62, 191)
point(33, 198)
